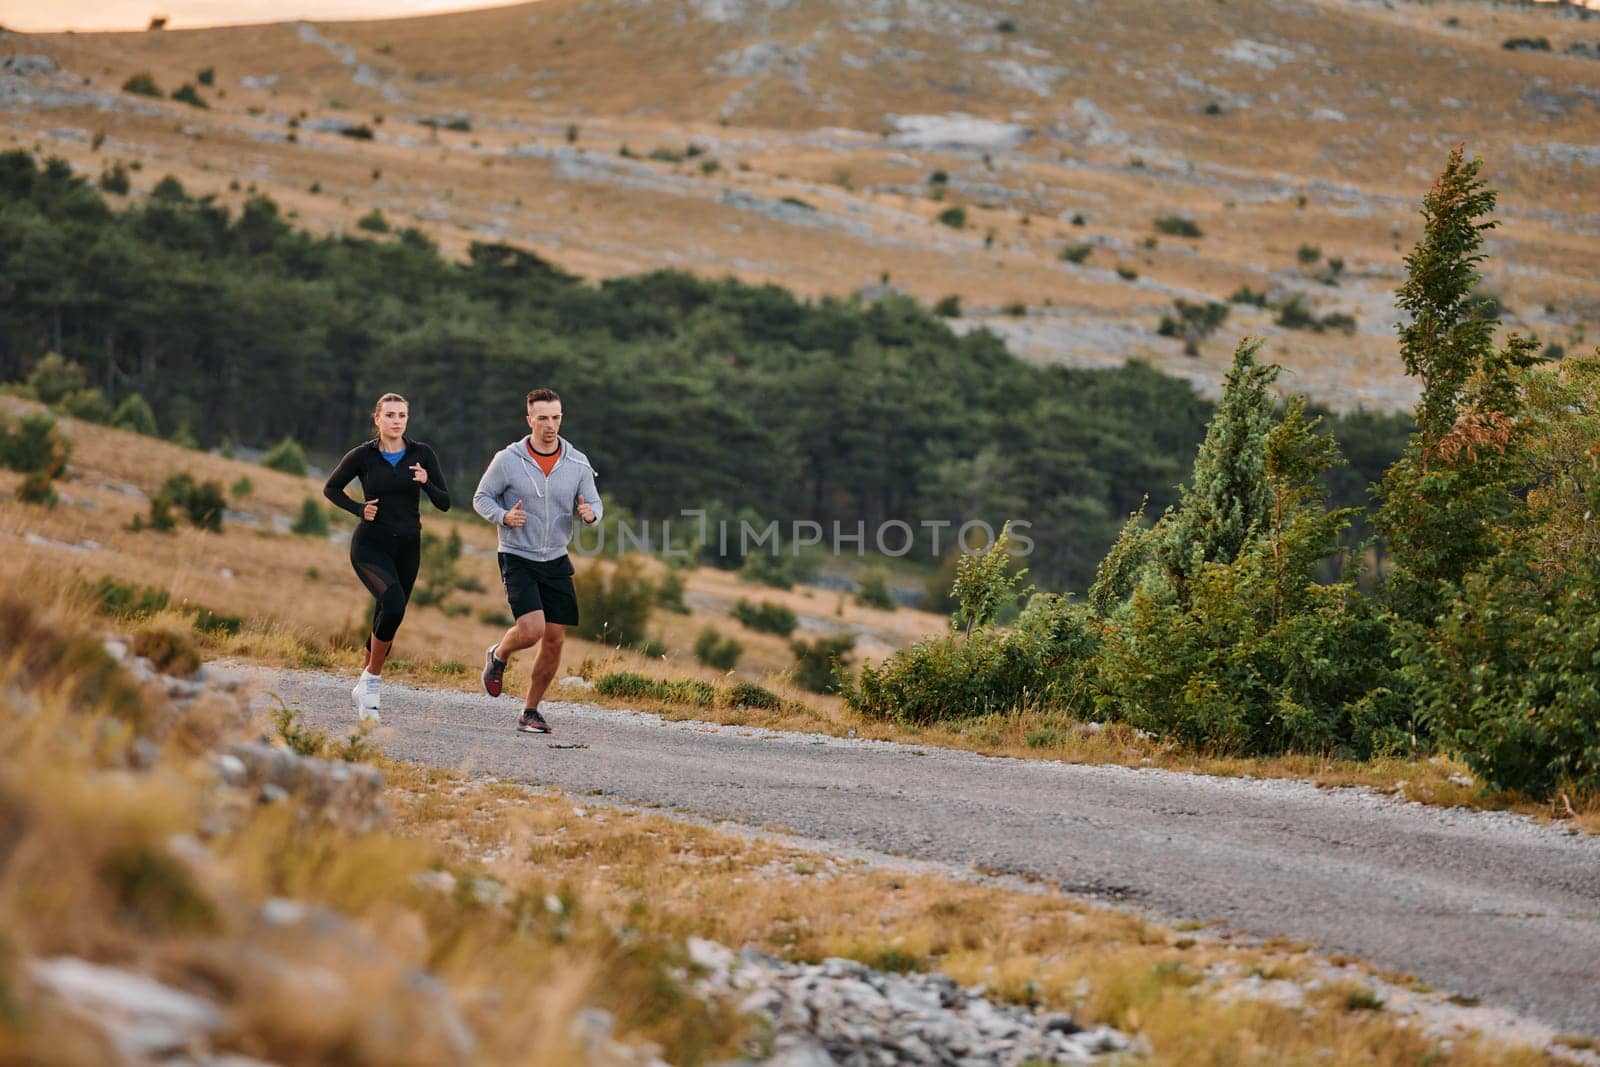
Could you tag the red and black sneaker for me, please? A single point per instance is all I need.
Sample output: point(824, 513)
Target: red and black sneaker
point(531, 722)
point(494, 672)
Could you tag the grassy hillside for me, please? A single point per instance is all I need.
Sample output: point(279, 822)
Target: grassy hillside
point(805, 142)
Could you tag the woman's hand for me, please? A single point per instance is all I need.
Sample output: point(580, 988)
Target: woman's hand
point(370, 512)
point(418, 474)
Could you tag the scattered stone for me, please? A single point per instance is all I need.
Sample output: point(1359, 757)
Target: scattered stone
point(142, 1018)
point(349, 795)
point(843, 1012)
point(576, 682)
point(28, 65)
point(956, 132)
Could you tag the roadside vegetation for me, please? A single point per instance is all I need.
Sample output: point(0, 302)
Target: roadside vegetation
point(392, 934)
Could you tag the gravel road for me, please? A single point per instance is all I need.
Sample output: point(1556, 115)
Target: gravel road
point(1483, 904)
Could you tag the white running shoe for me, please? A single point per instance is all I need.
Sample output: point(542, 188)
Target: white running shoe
point(365, 697)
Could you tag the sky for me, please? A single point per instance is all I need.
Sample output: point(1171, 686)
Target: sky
point(42, 16)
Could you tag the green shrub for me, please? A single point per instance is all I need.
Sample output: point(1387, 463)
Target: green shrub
point(715, 650)
point(1127, 274)
point(670, 590)
point(201, 502)
point(301, 739)
point(1076, 253)
point(184, 437)
point(242, 488)
point(1178, 226)
point(750, 695)
point(625, 684)
point(1045, 660)
point(770, 568)
point(33, 445)
point(766, 617)
point(1227, 641)
point(1526, 44)
point(614, 602)
point(90, 405)
point(1245, 295)
point(954, 217)
point(188, 94)
point(631, 685)
point(948, 307)
point(1294, 314)
point(114, 179)
point(124, 601)
point(286, 456)
point(207, 77)
point(939, 177)
point(134, 414)
point(1507, 677)
point(874, 591)
point(54, 377)
point(362, 132)
point(819, 663)
point(312, 520)
point(986, 584)
point(210, 622)
point(142, 84)
point(374, 222)
point(1308, 254)
point(1193, 323)
point(495, 617)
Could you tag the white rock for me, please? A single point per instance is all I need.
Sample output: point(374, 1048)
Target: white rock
point(712, 957)
point(141, 1016)
point(437, 881)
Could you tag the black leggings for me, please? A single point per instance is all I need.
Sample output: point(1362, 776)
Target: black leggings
point(387, 564)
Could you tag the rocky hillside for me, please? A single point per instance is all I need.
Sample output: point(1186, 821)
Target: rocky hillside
point(1106, 160)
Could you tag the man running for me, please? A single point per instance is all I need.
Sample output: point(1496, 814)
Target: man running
point(530, 491)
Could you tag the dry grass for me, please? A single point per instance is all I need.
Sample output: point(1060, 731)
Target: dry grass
point(1037, 948)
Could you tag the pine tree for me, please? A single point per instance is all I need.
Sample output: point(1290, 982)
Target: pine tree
point(1441, 501)
point(1229, 498)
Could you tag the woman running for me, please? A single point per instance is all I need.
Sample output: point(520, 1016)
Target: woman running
point(387, 546)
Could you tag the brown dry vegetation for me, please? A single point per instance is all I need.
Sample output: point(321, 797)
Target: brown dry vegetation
point(1331, 117)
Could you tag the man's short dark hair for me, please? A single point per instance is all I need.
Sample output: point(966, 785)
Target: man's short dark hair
point(536, 395)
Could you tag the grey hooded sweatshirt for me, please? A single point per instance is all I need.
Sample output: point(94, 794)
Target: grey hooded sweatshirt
point(550, 502)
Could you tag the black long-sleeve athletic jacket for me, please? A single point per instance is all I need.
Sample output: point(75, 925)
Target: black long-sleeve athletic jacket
point(393, 488)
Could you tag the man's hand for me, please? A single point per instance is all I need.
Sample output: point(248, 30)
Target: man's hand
point(370, 511)
point(419, 475)
point(585, 512)
point(516, 516)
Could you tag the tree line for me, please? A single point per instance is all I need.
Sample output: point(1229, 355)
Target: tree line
point(239, 328)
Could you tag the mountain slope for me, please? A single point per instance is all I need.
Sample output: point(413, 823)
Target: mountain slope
point(802, 142)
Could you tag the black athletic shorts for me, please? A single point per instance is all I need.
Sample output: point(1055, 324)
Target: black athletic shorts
point(534, 585)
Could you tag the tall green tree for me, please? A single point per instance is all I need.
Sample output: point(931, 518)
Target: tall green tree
point(1454, 485)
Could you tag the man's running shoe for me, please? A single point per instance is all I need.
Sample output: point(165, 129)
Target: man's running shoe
point(532, 722)
point(494, 671)
point(365, 697)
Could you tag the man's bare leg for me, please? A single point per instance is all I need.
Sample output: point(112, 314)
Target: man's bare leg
point(526, 632)
point(547, 663)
